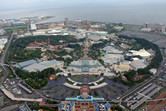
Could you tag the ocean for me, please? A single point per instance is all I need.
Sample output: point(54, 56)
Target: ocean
point(115, 14)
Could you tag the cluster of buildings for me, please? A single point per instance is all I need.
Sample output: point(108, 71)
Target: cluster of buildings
point(116, 58)
point(47, 46)
point(62, 30)
point(21, 21)
point(80, 29)
point(35, 66)
point(153, 27)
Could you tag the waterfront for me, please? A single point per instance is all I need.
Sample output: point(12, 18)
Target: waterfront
point(138, 15)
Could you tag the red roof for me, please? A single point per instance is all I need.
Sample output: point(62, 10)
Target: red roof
point(48, 105)
point(37, 43)
point(84, 89)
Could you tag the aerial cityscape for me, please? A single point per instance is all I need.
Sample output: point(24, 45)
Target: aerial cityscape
point(78, 64)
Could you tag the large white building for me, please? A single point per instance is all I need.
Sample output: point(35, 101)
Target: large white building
point(3, 41)
point(143, 53)
point(112, 50)
point(44, 65)
point(86, 66)
point(137, 65)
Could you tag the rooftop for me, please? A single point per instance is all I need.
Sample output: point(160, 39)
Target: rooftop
point(24, 64)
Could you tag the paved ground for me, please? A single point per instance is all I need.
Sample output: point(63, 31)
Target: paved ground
point(160, 40)
point(56, 90)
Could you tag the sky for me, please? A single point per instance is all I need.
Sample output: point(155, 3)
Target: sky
point(41, 4)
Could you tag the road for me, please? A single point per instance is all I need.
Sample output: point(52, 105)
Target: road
point(3, 65)
point(11, 108)
point(3, 58)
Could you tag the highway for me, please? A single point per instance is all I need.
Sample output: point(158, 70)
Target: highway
point(2, 62)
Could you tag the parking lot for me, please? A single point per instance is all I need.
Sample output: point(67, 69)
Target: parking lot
point(13, 86)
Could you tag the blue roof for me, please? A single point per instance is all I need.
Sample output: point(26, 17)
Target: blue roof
point(60, 105)
point(80, 97)
point(108, 105)
point(72, 103)
point(85, 69)
point(91, 98)
point(85, 62)
point(95, 103)
point(88, 97)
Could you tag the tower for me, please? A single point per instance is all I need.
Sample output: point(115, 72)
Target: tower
point(66, 21)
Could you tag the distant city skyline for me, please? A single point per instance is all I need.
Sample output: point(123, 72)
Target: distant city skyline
point(40, 4)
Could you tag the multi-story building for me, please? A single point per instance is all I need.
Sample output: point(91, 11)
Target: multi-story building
point(84, 102)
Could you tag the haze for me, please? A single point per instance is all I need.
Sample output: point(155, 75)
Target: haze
point(40, 4)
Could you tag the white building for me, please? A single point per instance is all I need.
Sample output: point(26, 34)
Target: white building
point(3, 41)
point(44, 65)
point(36, 33)
point(143, 53)
point(117, 57)
point(33, 27)
point(137, 65)
point(118, 28)
point(112, 50)
point(146, 29)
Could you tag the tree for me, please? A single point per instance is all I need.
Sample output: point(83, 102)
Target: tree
point(96, 93)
